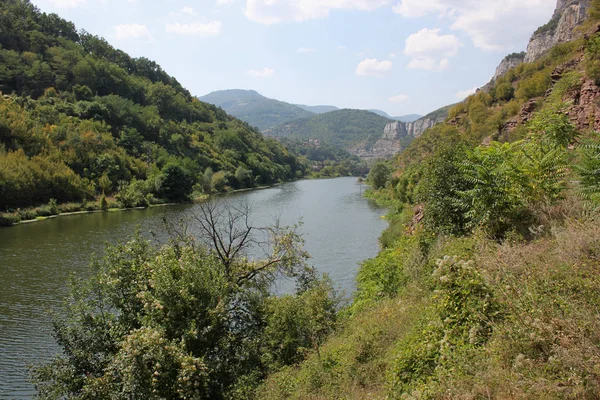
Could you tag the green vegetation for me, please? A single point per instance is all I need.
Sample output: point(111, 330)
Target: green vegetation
point(327, 161)
point(189, 320)
point(440, 113)
point(487, 271)
point(80, 119)
point(550, 27)
point(485, 287)
point(258, 111)
point(342, 129)
point(478, 299)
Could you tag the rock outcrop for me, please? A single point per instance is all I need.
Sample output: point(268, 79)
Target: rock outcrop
point(569, 14)
point(394, 130)
point(584, 113)
point(509, 62)
point(417, 128)
point(396, 136)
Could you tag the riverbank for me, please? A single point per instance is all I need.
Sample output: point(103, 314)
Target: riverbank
point(54, 210)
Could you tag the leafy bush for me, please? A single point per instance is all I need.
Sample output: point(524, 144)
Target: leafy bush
point(130, 194)
point(589, 169)
point(505, 91)
point(9, 219)
point(462, 314)
point(379, 175)
point(296, 325)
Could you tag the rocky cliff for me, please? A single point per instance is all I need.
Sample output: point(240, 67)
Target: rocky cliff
point(417, 128)
point(396, 136)
point(510, 61)
point(389, 145)
point(569, 14)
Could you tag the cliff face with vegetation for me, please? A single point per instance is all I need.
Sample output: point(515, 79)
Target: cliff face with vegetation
point(397, 136)
point(569, 14)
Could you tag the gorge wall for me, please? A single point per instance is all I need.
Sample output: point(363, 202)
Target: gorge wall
point(396, 136)
point(569, 14)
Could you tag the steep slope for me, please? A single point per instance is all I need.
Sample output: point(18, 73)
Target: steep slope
point(569, 14)
point(80, 120)
point(343, 128)
point(255, 109)
point(416, 128)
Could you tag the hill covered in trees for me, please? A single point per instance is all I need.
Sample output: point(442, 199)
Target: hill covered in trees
point(343, 128)
point(80, 119)
point(257, 110)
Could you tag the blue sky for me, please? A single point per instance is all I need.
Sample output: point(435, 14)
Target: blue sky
point(400, 56)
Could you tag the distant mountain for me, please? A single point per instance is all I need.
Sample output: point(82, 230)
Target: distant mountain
point(317, 109)
point(255, 109)
point(342, 128)
point(403, 118)
point(408, 118)
point(381, 113)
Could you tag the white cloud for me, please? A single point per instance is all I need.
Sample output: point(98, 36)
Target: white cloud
point(67, 3)
point(306, 50)
point(200, 29)
point(262, 73)
point(491, 25)
point(419, 8)
point(463, 94)
point(430, 50)
point(132, 31)
point(399, 98)
point(184, 11)
point(373, 67)
point(277, 11)
point(341, 47)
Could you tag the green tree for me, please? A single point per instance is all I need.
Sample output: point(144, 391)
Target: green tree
point(177, 183)
point(379, 175)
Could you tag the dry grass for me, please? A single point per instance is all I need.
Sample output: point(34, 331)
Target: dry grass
point(548, 344)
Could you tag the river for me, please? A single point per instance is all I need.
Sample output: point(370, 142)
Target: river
point(340, 226)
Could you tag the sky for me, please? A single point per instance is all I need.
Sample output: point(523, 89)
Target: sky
point(400, 56)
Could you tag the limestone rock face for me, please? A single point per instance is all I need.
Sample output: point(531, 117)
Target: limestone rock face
point(569, 15)
point(417, 128)
point(507, 63)
point(391, 143)
point(395, 130)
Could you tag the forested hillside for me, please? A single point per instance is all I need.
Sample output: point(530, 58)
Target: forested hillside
point(257, 110)
point(486, 284)
point(80, 119)
point(343, 128)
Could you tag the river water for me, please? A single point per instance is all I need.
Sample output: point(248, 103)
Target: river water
point(340, 226)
